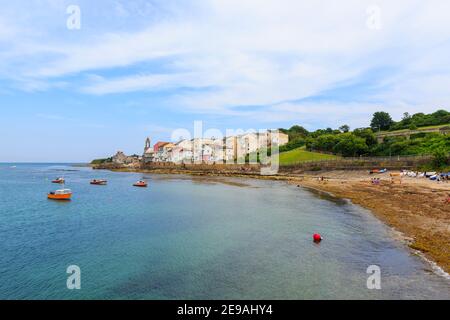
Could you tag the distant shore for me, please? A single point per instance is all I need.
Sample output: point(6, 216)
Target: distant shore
point(415, 209)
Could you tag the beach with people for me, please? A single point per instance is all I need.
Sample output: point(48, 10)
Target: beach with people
point(418, 208)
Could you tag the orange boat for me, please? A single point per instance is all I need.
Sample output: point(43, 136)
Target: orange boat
point(63, 194)
point(59, 180)
point(99, 182)
point(141, 184)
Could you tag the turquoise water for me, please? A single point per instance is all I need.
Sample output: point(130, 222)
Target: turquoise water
point(192, 239)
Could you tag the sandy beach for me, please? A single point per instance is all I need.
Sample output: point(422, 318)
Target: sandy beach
point(416, 207)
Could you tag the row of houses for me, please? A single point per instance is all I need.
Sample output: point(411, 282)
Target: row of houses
point(212, 150)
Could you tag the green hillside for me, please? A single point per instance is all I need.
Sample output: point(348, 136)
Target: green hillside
point(301, 155)
point(418, 129)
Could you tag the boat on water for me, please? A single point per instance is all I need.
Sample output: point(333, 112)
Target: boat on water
point(141, 184)
point(59, 180)
point(99, 182)
point(62, 194)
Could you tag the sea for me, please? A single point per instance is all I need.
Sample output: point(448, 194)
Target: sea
point(190, 238)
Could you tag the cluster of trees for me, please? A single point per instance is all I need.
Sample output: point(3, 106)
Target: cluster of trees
point(363, 141)
point(339, 141)
point(382, 121)
point(417, 145)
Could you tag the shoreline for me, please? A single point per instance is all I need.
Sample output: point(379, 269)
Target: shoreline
point(413, 210)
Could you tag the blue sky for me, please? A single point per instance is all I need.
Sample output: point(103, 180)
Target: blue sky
point(145, 68)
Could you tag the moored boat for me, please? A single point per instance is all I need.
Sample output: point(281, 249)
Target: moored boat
point(62, 194)
point(99, 182)
point(141, 184)
point(59, 180)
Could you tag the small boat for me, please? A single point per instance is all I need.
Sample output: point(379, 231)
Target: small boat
point(59, 180)
point(377, 171)
point(99, 182)
point(62, 194)
point(141, 184)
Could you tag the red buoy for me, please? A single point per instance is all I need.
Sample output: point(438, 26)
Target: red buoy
point(317, 237)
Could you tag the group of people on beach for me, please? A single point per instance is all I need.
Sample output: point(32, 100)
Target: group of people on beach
point(376, 181)
point(443, 178)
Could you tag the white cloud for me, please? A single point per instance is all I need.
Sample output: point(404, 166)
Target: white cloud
point(101, 86)
point(256, 53)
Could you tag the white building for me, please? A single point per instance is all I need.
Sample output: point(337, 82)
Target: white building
point(207, 150)
point(182, 152)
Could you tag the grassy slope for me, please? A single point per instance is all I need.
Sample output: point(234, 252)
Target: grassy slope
point(301, 155)
point(418, 129)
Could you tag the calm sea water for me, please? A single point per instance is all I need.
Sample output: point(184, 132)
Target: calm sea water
point(189, 239)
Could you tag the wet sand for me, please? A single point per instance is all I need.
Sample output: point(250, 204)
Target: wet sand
point(204, 179)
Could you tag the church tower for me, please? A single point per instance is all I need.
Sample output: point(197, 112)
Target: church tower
point(147, 144)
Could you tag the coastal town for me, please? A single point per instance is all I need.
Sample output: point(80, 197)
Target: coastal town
point(232, 149)
point(407, 160)
point(218, 158)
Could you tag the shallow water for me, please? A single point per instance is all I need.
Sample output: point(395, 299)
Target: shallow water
point(185, 238)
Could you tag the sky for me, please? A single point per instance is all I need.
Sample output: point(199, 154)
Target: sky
point(82, 79)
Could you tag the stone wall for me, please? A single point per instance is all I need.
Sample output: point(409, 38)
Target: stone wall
point(213, 168)
point(391, 163)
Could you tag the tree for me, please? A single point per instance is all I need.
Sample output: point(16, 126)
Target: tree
point(407, 119)
point(367, 134)
point(381, 121)
point(324, 142)
point(345, 128)
point(440, 159)
point(406, 116)
point(350, 145)
point(293, 144)
point(299, 130)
